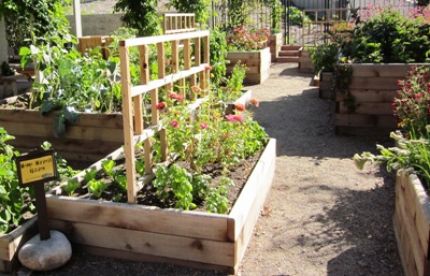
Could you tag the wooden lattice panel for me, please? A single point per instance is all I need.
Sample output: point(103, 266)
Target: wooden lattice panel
point(196, 63)
point(179, 23)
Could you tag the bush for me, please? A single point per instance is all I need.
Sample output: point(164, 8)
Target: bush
point(218, 54)
point(412, 104)
point(140, 15)
point(243, 39)
point(298, 17)
point(390, 37)
point(324, 57)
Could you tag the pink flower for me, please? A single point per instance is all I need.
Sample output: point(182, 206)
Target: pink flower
point(239, 107)
point(161, 105)
point(203, 126)
point(176, 96)
point(174, 124)
point(235, 118)
point(418, 96)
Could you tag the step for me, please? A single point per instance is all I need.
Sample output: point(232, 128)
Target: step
point(288, 59)
point(289, 53)
point(290, 47)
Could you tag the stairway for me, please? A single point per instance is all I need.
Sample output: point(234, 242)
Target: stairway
point(289, 54)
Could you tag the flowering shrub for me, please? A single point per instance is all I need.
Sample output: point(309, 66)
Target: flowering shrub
point(412, 104)
point(247, 40)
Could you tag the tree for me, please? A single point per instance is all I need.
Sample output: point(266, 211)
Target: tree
point(141, 15)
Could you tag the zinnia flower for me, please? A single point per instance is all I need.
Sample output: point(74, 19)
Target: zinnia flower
point(235, 118)
point(239, 107)
point(174, 124)
point(176, 96)
point(255, 102)
point(203, 126)
point(161, 105)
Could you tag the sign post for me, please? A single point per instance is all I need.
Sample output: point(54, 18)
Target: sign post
point(35, 169)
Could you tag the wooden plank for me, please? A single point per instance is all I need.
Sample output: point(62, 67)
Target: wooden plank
point(140, 218)
point(184, 248)
point(367, 108)
point(374, 83)
point(162, 38)
point(399, 70)
point(369, 96)
point(11, 242)
point(128, 125)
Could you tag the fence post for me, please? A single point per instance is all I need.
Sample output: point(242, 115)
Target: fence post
point(3, 42)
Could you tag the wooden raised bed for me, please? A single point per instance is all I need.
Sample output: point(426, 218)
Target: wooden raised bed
point(305, 62)
point(91, 138)
point(326, 86)
point(257, 63)
point(10, 244)
point(149, 233)
point(412, 224)
point(275, 44)
point(373, 88)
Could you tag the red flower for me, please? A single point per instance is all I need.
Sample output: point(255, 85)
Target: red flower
point(235, 118)
point(239, 106)
point(428, 87)
point(176, 96)
point(203, 126)
point(255, 102)
point(174, 124)
point(418, 96)
point(161, 105)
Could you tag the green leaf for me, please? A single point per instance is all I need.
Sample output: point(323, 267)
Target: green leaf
point(71, 115)
point(47, 107)
point(59, 125)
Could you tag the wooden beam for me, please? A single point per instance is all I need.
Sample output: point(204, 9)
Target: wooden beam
point(162, 38)
point(77, 17)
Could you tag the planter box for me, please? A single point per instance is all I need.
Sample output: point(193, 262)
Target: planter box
point(326, 84)
point(10, 244)
point(305, 62)
point(90, 139)
point(275, 43)
point(373, 87)
point(145, 233)
point(412, 224)
point(257, 63)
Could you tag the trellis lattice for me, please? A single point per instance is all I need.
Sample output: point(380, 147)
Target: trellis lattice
point(179, 23)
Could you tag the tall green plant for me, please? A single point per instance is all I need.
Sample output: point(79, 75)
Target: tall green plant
point(199, 7)
point(238, 11)
point(141, 15)
point(276, 15)
point(218, 54)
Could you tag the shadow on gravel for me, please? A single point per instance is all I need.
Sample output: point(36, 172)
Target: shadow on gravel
point(303, 126)
point(293, 72)
point(359, 225)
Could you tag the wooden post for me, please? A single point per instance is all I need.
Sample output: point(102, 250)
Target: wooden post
point(77, 17)
point(3, 42)
point(127, 115)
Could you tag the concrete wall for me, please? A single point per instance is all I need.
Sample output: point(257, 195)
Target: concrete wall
point(3, 43)
point(98, 24)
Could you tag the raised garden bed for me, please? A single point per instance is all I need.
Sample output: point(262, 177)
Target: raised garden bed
point(305, 62)
point(326, 86)
point(369, 110)
point(412, 224)
point(275, 43)
point(257, 63)
point(143, 233)
point(11, 242)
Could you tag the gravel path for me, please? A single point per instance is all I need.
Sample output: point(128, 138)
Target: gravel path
point(323, 217)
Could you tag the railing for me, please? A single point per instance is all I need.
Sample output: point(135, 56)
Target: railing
point(179, 23)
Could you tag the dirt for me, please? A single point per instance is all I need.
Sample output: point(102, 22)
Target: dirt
point(322, 217)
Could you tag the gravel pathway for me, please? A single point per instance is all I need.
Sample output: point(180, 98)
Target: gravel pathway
point(323, 217)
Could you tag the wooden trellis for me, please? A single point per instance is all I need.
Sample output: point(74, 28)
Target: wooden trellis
point(179, 23)
point(134, 131)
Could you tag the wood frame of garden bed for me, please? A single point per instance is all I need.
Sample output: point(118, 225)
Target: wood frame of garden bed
point(373, 87)
point(146, 233)
point(10, 244)
point(257, 64)
point(412, 224)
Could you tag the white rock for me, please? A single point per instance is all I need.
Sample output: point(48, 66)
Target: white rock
point(45, 255)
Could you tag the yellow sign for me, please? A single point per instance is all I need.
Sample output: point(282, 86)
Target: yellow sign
point(37, 169)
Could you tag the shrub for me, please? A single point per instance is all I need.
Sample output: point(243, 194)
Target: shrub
point(412, 104)
point(324, 57)
point(243, 39)
point(298, 17)
point(140, 15)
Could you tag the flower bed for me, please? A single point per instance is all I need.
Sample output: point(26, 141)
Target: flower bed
point(141, 232)
point(412, 223)
point(11, 242)
point(326, 86)
point(257, 64)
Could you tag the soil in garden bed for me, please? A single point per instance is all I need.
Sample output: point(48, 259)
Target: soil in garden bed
point(148, 196)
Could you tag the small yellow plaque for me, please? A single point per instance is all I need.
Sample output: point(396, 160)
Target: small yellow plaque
point(37, 168)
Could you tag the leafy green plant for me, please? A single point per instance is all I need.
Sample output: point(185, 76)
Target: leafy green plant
point(217, 200)
point(276, 15)
point(96, 187)
point(238, 12)
point(140, 15)
point(234, 85)
point(200, 8)
point(324, 57)
point(243, 39)
point(298, 17)
point(410, 154)
point(71, 186)
point(218, 55)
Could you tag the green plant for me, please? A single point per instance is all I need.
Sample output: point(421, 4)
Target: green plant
point(218, 55)
point(71, 186)
point(238, 12)
point(200, 8)
point(412, 103)
point(217, 200)
point(234, 85)
point(96, 187)
point(324, 57)
point(140, 15)
point(276, 15)
point(410, 154)
point(243, 39)
point(298, 17)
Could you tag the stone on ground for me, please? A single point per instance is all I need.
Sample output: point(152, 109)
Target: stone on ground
point(46, 255)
